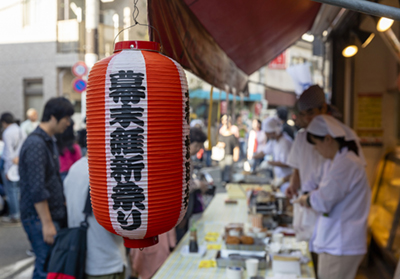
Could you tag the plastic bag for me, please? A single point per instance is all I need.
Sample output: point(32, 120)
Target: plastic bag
point(217, 153)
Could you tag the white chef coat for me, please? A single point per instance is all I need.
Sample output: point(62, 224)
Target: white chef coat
point(343, 201)
point(279, 149)
point(304, 157)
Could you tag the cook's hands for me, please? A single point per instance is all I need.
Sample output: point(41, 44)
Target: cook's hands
point(291, 192)
point(277, 182)
point(302, 201)
point(16, 161)
point(49, 232)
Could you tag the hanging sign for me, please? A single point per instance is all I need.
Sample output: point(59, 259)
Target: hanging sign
point(79, 85)
point(80, 69)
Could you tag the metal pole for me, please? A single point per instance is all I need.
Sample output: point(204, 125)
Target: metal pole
point(392, 42)
point(347, 91)
point(227, 101)
point(209, 119)
point(233, 106)
point(366, 7)
point(218, 115)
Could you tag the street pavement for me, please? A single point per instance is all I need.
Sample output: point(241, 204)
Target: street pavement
point(26, 274)
point(13, 245)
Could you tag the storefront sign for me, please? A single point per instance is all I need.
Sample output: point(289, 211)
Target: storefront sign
point(279, 62)
point(369, 118)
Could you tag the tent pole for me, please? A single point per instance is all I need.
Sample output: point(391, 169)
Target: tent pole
point(209, 119)
point(218, 115)
point(366, 7)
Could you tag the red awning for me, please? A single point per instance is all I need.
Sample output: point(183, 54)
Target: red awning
point(224, 41)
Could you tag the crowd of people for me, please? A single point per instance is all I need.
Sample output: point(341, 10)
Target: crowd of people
point(320, 166)
point(258, 144)
point(45, 182)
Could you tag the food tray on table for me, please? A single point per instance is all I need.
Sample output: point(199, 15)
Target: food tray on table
point(258, 245)
point(239, 190)
point(236, 259)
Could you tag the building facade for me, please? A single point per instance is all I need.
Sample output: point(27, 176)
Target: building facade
point(40, 41)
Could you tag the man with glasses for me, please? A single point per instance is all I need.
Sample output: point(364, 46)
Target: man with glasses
point(42, 205)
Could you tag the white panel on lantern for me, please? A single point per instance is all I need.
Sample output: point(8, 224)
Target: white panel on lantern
point(127, 60)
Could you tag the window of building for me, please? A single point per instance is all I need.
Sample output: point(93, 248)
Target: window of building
point(33, 95)
point(34, 12)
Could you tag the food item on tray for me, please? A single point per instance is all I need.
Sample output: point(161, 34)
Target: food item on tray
point(233, 240)
point(247, 240)
point(234, 226)
point(286, 258)
point(265, 197)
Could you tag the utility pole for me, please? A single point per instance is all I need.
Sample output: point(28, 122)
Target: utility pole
point(92, 15)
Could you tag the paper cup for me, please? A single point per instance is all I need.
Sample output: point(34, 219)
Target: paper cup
point(262, 234)
point(277, 237)
point(234, 272)
point(256, 221)
point(252, 267)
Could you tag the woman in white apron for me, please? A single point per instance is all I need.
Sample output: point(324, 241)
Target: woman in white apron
point(342, 200)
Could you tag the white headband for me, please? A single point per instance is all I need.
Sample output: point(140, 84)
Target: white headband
point(272, 125)
point(323, 125)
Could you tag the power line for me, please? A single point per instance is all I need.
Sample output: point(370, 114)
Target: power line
point(8, 7)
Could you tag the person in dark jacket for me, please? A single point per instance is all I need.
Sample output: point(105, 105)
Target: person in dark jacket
point(42, 203)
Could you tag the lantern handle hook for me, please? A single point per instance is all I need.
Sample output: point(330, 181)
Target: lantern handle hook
point(135, 14)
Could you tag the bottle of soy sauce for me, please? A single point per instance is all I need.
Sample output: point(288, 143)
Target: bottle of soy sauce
point(193, 246)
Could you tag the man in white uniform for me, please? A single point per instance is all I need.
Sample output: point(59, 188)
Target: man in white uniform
point(278, 145)
point(304, 159)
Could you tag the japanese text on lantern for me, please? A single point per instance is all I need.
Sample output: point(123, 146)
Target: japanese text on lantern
point(126, 144)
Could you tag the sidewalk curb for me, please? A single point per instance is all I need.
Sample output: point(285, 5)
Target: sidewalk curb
point(13, 269)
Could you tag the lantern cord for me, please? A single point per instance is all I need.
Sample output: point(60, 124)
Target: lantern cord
point(135, 15)
point(141, 249)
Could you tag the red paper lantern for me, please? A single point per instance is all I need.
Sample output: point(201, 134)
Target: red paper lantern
point(138, 142)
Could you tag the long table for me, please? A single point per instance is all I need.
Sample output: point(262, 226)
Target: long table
point(214, 219)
